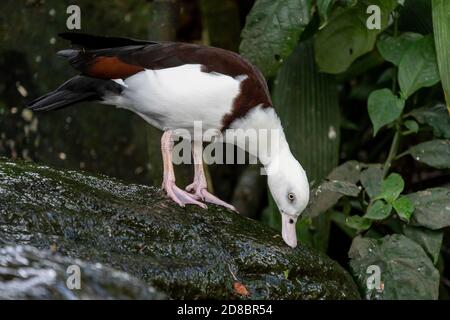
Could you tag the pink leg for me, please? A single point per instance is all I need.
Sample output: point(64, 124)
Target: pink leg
point(199, 186)
point(176, 194)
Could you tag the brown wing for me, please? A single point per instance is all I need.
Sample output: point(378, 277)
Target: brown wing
point(254, 90)
point(125, 57)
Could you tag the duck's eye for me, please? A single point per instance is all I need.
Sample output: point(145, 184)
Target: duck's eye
point(291, 196)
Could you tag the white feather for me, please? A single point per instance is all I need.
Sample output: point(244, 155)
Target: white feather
point(174, 98)
point(285, 174)
point(259, 132)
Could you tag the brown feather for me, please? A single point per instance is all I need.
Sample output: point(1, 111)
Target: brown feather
point(122, 62)
point(111, 68)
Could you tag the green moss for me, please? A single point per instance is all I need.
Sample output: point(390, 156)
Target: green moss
point(187, 253)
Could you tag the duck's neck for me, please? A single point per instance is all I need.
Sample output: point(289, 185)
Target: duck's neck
point(262, 130)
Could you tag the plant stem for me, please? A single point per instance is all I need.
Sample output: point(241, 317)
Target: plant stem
point(392, 151)
point(395, 142)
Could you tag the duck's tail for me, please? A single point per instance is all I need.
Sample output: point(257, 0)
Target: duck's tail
point(77, 89)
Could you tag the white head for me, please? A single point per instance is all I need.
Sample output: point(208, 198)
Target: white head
point(286, 178)
point(290, 189)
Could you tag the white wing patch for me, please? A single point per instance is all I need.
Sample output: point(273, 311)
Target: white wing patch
point(120, 81)
point(174, 98)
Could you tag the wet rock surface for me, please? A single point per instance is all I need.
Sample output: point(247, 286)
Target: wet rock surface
point(29, 273)
point(184, 253)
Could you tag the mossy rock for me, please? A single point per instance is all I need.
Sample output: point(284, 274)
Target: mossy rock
point(188, 253)
point(29, 273)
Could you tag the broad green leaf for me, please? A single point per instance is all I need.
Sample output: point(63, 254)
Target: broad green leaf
point(441, 23)
point(378, 210)
point(322, 200)
point(432, 208)
point(412, 126)
point(343, 187)
point(406, 270)
point(404, 208)
point(391, 187)
point(346, 37)
point(435, 153)
point(371, 179)
point(324, 8)
point(272, 31)
point(430, 240)
point(384, 107)
point(418, 67)
point(393, 48)
point(436, 117)
point(358, 223)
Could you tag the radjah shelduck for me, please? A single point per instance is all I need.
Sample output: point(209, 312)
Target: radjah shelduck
point(173, 85)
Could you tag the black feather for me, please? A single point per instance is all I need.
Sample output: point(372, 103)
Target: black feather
point(100, 42)
point(77, 89)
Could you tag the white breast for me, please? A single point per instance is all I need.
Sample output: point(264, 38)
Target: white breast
point(174, 98)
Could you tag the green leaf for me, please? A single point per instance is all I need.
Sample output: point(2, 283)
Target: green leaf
point(412, 126)
point(430, 240)
point(378, 210)
point(435, 153)
point(432, 208)
point(384, 107)
point(436, 117)
point(343, 187)
point(391, 187)
point(404, 208)
point(441, 23)
point(346, 36)
point(406, 270)
point(358, 223)
point(322, 200)
point(324, 8)
point(418, 67)
point(272, 31)
point(371, 179)
point(393, 48)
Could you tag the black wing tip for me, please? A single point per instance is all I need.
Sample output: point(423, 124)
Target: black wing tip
point(91, 41)
point(41, 104)
point(37, 107)
point(67, 53)
point(67, 35)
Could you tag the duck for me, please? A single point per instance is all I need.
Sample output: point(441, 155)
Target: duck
point(176, 87)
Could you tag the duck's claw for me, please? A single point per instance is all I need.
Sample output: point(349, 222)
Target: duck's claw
point(203, 194)
point(180, 196)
